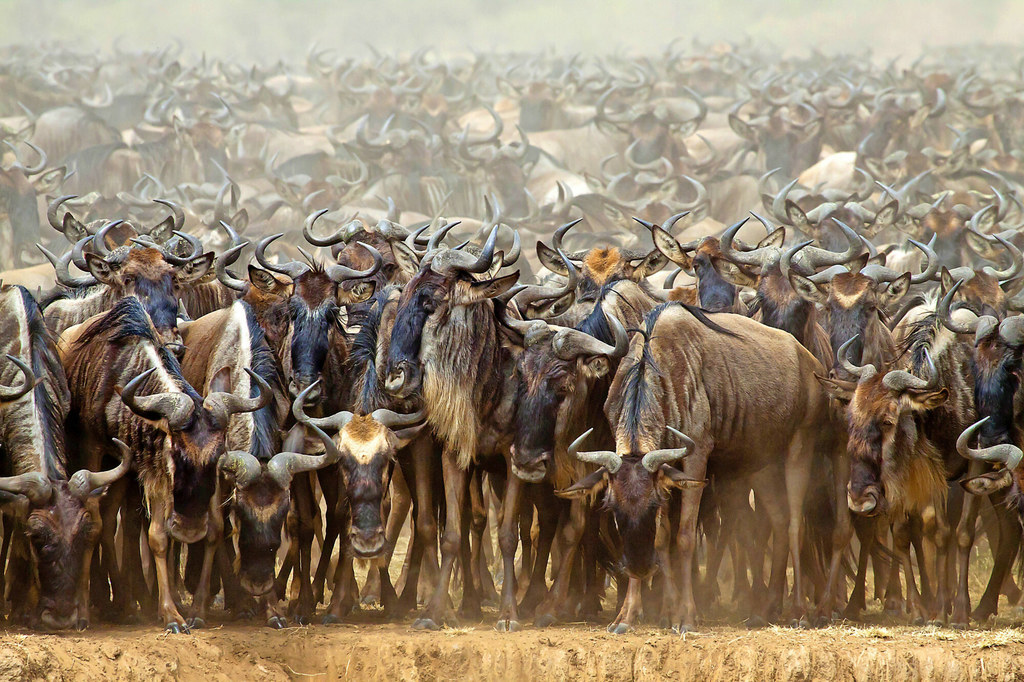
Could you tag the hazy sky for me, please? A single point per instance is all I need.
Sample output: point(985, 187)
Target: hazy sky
point(269, 29)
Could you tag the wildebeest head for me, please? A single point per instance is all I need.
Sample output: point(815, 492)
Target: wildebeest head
point(892, 465)
point(365, 447)
point(313, 307)
point(443, 285)
point(195, 430)
point(555, 374)
point(637, 487)
point(600, 266)
point(261, 501)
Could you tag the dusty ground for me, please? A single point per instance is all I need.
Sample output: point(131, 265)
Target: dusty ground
point(394, 652)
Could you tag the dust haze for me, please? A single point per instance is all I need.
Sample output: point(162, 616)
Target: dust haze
point(268, 30)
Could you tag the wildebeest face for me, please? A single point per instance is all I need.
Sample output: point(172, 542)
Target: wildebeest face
point(422, 301)
point(368, 451)
point(145, 274)
point(194, 452)
point(261, 509)
point(58, 535)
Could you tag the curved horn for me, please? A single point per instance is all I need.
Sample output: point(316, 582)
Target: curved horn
point(860, 371)
point(336, 421)
point(653, 460)
point(61, 265)
point(942, 312)
point(29, 381)
point(340, 273)
point(307, 231)
point(901, 380)
point(753, 257)
point(436, 237)
point(484, 260)
point(285, 465)
point(225, 277)
point(292, 268)
point(235, 404)
point(1007, 454)
point(84, 483)
point(571, 343)
point(33, 485)
point(609, 460)
point(176, 408)
point(1015, 266)
point(533, 293)
point(556, 240)
point(394, 419)
point(242, 467)
point(177, 211)
point(51, 211)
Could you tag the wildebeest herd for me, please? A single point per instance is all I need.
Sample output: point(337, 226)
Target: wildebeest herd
point(292, 310)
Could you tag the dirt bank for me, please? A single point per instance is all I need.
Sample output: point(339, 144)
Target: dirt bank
point(394, 652)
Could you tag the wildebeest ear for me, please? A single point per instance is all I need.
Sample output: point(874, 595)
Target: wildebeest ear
point(549, 258)
point(406, 435)
point(652, 262)
point(837, 388)
point(742, 128)
point(73, 229)
point(667, 244)
point(734, 273)
point(488, 288)
point(352, 293)
point(263, 279)
point(886, 215)
point(982, 246)
point(776, 238)
point(945, 281)
point(596, 366)
point(674, 478)
point(988, 483)
point(797, 217)
point(221, 381)
point(195, 269)
point(406, 258)
point(100, 268)
point(240, 220)
point(921, 401)
point(163, 230)
point(808, 290)
point(50, 180)
point(592, 483)
point(895, 290)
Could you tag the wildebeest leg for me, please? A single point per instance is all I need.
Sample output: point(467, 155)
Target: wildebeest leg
point(798, 477)
point(418, 463)
point(901, 547)
point(526, 515)
point(455, 479)
point(867, 534)
point(936, 529)
point(330, 481)
point(695, 468)
point(965, 534)
point(841, 536)
point(770, 496)
point(214, 533)
point(82, 592)
point(556, 606)
point(1006, 547)
point(508, 541)
point(630, 610)
point(470, 607)
point(477, 517)
point(118, 608)
point(159, 544)
point(302, 497)
point(549, 519)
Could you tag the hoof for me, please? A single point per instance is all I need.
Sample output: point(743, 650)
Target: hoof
point(919, 621)
point(756, 622)
point(507, 625)
point(330, 619)
point(176, 628)
point(681, 629)
point(425, 624)
point(958, 626)
point(822, 622)
point(302, 620)
point(936, 623)
point(619, 628)
point(82, 624)
point(544, 620)
point(196, 623)
point(368, 600)
point(277, 622)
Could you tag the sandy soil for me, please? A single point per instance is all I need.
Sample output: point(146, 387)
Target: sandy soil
point(395, 652)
